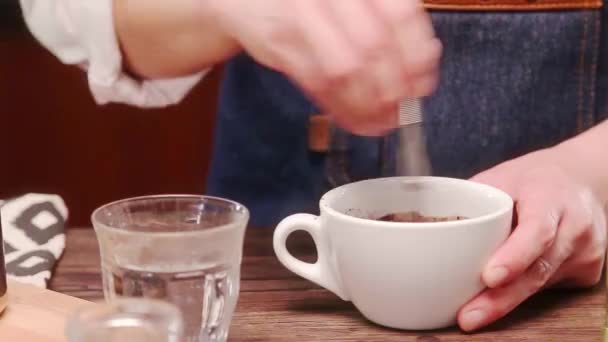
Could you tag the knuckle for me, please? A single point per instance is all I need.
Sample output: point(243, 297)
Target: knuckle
point(584, 232)
point(281, 33)
point(339, 75)
point(586, 224)
point(586, 197)
point(424, 85)
point(586, 227)
point(547, 232)
point(403, 10)
point(425, 60)
point(540, 273)
point(375, 44)
point(373, 49)
point(547, 227)
point(552, 219)
point(586, 204)
point(315, 86)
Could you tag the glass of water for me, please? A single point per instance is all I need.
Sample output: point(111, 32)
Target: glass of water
point(183, 249)
point(133, 320)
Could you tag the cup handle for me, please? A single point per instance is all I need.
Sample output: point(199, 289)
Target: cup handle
point(321, 272)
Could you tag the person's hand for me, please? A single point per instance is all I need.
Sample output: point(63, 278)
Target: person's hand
point(559, 237)
point(356, 59)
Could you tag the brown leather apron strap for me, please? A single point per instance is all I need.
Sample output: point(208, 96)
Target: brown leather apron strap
point(511, 5)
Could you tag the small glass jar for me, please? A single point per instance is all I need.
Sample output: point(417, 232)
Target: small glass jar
point(3, 284)
point(126, 319)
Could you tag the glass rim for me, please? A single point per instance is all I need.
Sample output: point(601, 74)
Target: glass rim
point(227, 226)
point(90, 316)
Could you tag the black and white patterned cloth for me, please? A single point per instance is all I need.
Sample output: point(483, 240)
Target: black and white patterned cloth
point(33, 227)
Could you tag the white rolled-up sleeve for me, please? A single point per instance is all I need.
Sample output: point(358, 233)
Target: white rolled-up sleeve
point(81, 32)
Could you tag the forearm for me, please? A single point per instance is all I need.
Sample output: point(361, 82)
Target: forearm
point(586, 155)
point(161, 39)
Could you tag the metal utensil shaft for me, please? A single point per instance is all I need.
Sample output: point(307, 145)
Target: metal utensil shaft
point(412, 157)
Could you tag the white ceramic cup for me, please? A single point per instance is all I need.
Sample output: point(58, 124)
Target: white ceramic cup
point(412, 276)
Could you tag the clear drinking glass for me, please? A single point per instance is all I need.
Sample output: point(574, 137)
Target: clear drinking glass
point(132, 320)
point(183, 249)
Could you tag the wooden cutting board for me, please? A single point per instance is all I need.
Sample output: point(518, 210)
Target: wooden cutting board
point(36, 315)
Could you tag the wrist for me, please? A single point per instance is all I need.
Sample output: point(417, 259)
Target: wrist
point(579, 157)
point(207, 33)
point(161, 39)
point(218, 12)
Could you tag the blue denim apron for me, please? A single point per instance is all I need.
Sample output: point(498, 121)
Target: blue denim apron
point(511, 83)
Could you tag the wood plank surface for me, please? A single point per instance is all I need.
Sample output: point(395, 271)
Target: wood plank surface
point(276, 305)
point(36, 315)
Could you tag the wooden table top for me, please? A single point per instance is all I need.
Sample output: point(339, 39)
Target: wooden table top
point(36, 315)
point(276, 305)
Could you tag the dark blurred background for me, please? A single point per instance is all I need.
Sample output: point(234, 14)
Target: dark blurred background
point(55, 139)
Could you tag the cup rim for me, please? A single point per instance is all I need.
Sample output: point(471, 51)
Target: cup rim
point(325, 207)
point(97, 223)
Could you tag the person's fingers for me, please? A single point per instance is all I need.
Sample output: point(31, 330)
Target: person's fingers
point(494, 303)
point(425, 84)
point(419, 49)
point(336, 62)
point(325, 43)
point(410, 23)
point(424, 59)
point(588, 235)
point(378, 125)
point(359, 80)
point(379, 47)
point(361, 25)
point(538, 221)
point(377, 85)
